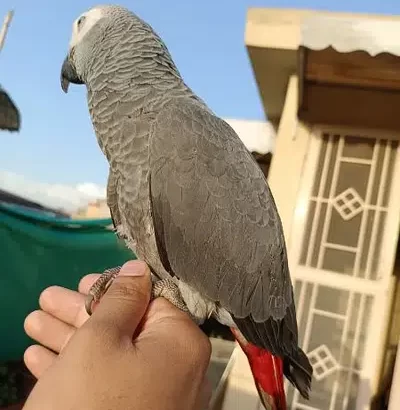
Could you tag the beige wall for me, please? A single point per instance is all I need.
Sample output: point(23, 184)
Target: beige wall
point(291, 149)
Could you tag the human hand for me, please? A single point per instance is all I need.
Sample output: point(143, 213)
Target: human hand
point(128, 355)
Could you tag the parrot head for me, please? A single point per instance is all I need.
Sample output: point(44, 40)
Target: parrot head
point(109, 41)
point(87, 30)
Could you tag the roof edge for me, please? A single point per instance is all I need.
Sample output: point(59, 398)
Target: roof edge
point(280, 28)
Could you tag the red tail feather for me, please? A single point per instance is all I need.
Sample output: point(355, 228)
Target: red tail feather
point(267, 372)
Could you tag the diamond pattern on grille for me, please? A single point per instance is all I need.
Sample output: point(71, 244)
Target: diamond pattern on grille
point(348, 204)
point(322, 362)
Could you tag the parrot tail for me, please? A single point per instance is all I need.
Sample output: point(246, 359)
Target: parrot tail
point(299, 372)
point(267, 372)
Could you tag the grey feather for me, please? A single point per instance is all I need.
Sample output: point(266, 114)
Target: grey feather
point(184, 191)
point(221, 230)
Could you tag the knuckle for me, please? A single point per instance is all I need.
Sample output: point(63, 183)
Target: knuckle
point(87, 331)
point(82, 282)
point(202, 349)
point(30, 355)
point(46, 294)
point(32, 320)
point(196, 346)
point(86, 281)
point(96, 339)
point(128, 290)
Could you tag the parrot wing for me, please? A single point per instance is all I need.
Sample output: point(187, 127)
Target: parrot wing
point(216, 223)
point(112, 199)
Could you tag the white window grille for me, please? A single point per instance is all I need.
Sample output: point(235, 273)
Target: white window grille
point(341, 253)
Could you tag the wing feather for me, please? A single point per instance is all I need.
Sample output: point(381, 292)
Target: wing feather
point(220, 226)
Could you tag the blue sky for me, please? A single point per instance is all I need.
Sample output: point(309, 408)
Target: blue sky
point(206, 38)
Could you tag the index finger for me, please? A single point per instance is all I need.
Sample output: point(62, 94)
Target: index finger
point(68, 305)
point(64, 304)
point(86, 283)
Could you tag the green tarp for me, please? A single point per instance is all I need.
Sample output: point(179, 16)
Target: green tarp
point(37, 251)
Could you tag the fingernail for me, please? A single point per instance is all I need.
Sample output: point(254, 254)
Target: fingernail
point(134, 268)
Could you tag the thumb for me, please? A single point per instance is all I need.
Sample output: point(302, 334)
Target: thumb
point(124, 304)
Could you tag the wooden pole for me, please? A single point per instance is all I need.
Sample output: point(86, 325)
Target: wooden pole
point(4, 28)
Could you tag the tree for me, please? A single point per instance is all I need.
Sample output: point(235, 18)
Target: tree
point(10, 118)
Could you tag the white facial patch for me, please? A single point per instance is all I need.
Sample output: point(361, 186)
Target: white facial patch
point(88, 20)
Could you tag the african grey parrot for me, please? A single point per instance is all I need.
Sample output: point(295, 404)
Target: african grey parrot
point(187, 196)
point(10, 118)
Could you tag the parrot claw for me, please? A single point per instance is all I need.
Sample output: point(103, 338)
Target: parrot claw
point(165, 288)
point(88, 304)
point(169, 290)
point(99, 288)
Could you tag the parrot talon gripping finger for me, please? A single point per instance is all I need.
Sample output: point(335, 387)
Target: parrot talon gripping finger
point(161, 288)
point(169, 290)
point(99, 288)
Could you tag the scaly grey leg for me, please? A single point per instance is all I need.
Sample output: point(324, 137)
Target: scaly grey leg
point(168, 289)
point(99, 288)
point(165, 288)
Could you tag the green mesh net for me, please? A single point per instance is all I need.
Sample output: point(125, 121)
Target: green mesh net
point(37, 251)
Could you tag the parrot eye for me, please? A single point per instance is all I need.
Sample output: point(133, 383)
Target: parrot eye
point(80, 22)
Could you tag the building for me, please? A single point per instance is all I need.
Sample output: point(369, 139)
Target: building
point(330, 86)
point(94, 210)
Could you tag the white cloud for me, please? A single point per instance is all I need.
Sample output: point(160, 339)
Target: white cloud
point(92, 190)
point(257, 136)
point(66, 197)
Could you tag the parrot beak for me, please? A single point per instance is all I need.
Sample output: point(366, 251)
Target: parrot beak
point(68, 74)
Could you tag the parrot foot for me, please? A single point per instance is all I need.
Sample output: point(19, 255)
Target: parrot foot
point(169, 290)
point(165, 288)
point(99, 288)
